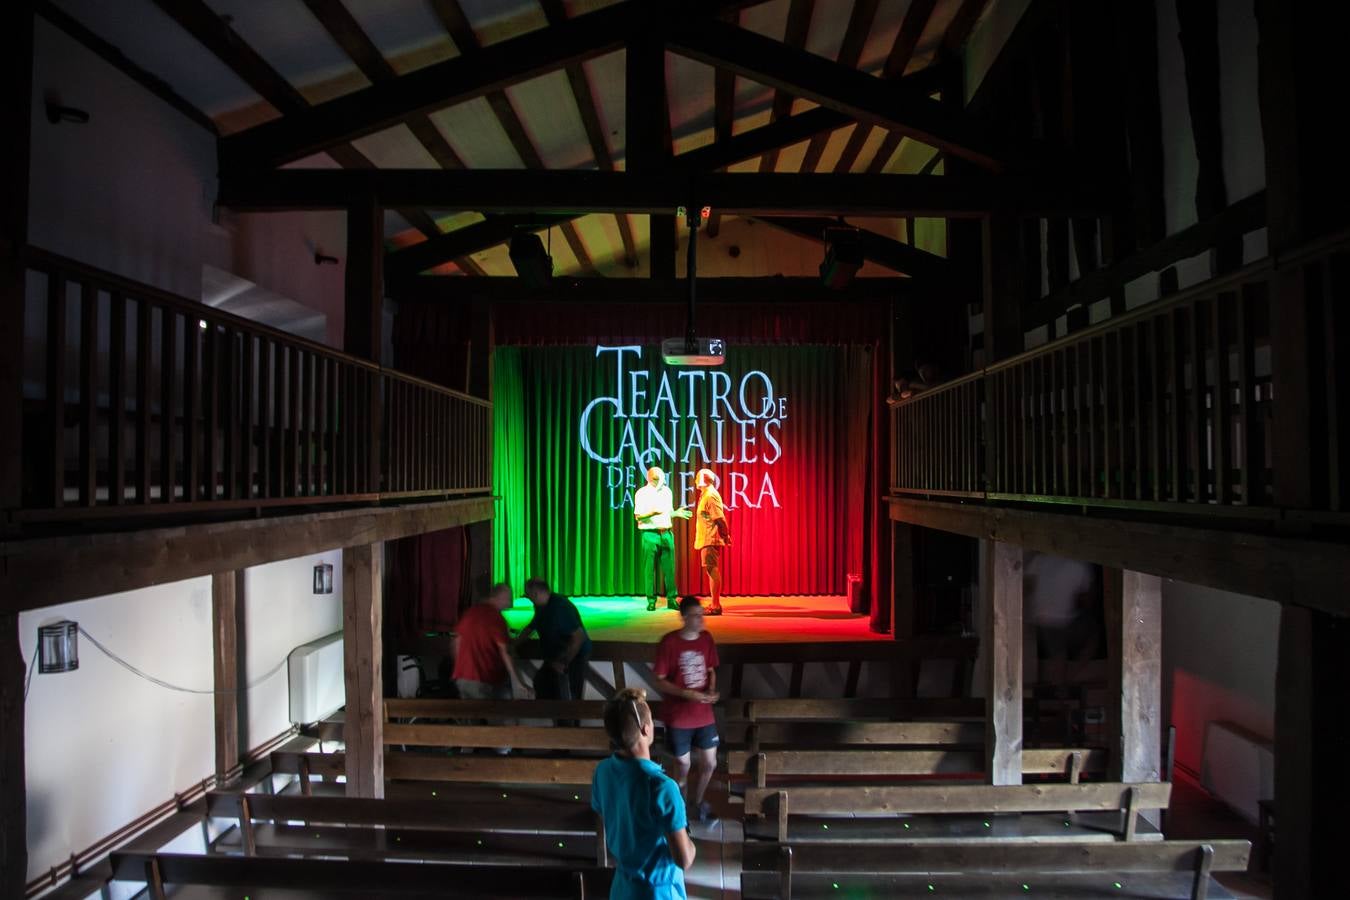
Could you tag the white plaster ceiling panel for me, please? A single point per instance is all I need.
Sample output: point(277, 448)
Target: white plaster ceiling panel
point(153, 41)
point(288, 36)
point(606, 75)
point(828, 25)
point(690, 89)
point(880, 40)
point(875, 138)
point(834, 148)
point(548, 110)
point(477, 136)
point(498, 20)
point(395, 148)
point(926, 50)
point(401, 28)
point(767, 19)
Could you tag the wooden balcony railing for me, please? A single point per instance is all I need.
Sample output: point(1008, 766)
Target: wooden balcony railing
point(1170, 405)
point(139, 401)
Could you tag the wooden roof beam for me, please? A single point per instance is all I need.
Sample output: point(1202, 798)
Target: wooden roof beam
point(863, 97)
point(660, 191)
point(798, 24)
point(876, 248)
point(445, 83)
point(850, 51)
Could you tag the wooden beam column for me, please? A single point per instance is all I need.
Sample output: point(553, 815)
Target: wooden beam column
point(363, 669)
point(1133, 603)
point(227, 601)
point(363, 319)
point(904, 599)
point(1003, 293)
point(13, 784)
point(16, 88)
point(648, 143)
point(1001, 635)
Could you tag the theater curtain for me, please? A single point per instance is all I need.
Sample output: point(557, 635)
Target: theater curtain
point(795, 484)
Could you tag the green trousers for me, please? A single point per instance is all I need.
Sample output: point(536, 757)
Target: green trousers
point(658, 550)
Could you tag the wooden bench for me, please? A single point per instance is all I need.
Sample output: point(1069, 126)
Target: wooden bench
point(450, 769)
point(435, 708)
point(852, 709)
point(519, 737)
point(518, 829)
point(324, 878)
point(911, 869)
point(1124, 800)
point(1069, 762)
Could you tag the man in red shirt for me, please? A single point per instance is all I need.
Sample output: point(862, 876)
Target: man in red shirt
point(686, 676)
point(484, 666)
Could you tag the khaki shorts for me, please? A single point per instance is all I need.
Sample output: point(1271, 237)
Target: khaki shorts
point(712, 558)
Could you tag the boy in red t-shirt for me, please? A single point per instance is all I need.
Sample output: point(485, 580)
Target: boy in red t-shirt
point(484, 666)
point(686, 675)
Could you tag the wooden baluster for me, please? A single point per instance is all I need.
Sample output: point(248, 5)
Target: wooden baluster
point(1157, 352)
point(330, 434)
point(88, 394)
point(1198, 417)
point(168, 372)
point(56, 388)
point(1222, 397)
point(117, 372)
point(267, 406)
point(231, 344)
point(192, 389)
point(247, 465)
point(143, 357)
point(313, 372)
point(321, 366)
point(1091, 397)
point(1047, 405)
point(211, 350)
point(1137, 372)
point(1122, 434)
point(1177, 353)
point(1331, 318)
point(293, 394)
point(1080, 382)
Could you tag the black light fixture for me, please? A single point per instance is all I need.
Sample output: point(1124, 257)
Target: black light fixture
point(532, 262)
point(323, 578)
point(843, 257)
point(58, 112)
point(58, 647)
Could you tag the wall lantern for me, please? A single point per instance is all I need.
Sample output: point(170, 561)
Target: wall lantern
point(58, 647)
point(323, 578)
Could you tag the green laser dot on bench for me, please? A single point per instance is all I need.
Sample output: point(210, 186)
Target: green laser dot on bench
point(835, 885)
point(1026, 887)
point(1116, 884)
point(986, 824)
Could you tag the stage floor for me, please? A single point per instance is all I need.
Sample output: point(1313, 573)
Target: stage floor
point(745, 620)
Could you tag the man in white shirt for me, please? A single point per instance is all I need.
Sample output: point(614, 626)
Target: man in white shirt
point(654, 512)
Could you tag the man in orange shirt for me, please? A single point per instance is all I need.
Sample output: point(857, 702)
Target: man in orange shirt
point(711, 535)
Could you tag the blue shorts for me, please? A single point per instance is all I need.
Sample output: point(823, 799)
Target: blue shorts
point(679, 740)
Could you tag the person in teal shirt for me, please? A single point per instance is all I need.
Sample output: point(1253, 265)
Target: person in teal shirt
point(643, 812)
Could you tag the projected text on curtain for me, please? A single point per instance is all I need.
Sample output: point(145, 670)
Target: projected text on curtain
point(683, 420)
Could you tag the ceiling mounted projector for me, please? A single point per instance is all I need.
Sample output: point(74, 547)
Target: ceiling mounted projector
point(700, 352)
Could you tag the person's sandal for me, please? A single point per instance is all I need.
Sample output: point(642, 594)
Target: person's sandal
point(651, 606)
point(713, 610)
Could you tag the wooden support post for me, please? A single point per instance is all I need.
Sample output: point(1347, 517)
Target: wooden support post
point(16, 88)
point(648, 143)
point(363, 669)
point(363, 334)
point(478, 378)
point(1001, 598)
point(1133, 606)
point(227, 595)
point(1002, 238)
point(1312, 736)
point(13, 790)
point(904, 591)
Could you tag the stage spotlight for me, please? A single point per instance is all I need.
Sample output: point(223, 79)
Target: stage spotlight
point(532, 262)
point(843, 257)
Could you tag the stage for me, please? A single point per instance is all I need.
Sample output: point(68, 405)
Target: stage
point(745, 620)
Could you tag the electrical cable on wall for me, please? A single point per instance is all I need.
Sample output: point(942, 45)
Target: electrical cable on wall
point(173, 687)
point(27, 679)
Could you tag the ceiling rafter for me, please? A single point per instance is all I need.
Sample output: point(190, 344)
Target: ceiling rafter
point(850, 51)
point(452, 81)
point(556, 14)
point(863, 97)
point(902, 51)
point(460, 29)
point(658, 190)
point(884, 251)
point(798, 24)
point(214, 33)
point(352, 38)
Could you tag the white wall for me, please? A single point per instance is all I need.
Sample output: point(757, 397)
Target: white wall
point(280, 613)
point(103, 746)
point(1219, 654)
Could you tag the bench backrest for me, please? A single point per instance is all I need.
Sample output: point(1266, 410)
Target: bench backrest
point(842, 733)
point(768, 867)
point(420, 767)
point(525, 737)
point(796, 709)
point(434, 708)
point(1069, 762)
point(919, 799)
point(347, 876)
point(555, 816)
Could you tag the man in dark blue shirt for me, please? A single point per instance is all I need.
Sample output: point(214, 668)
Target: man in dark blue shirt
point(563, 639)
